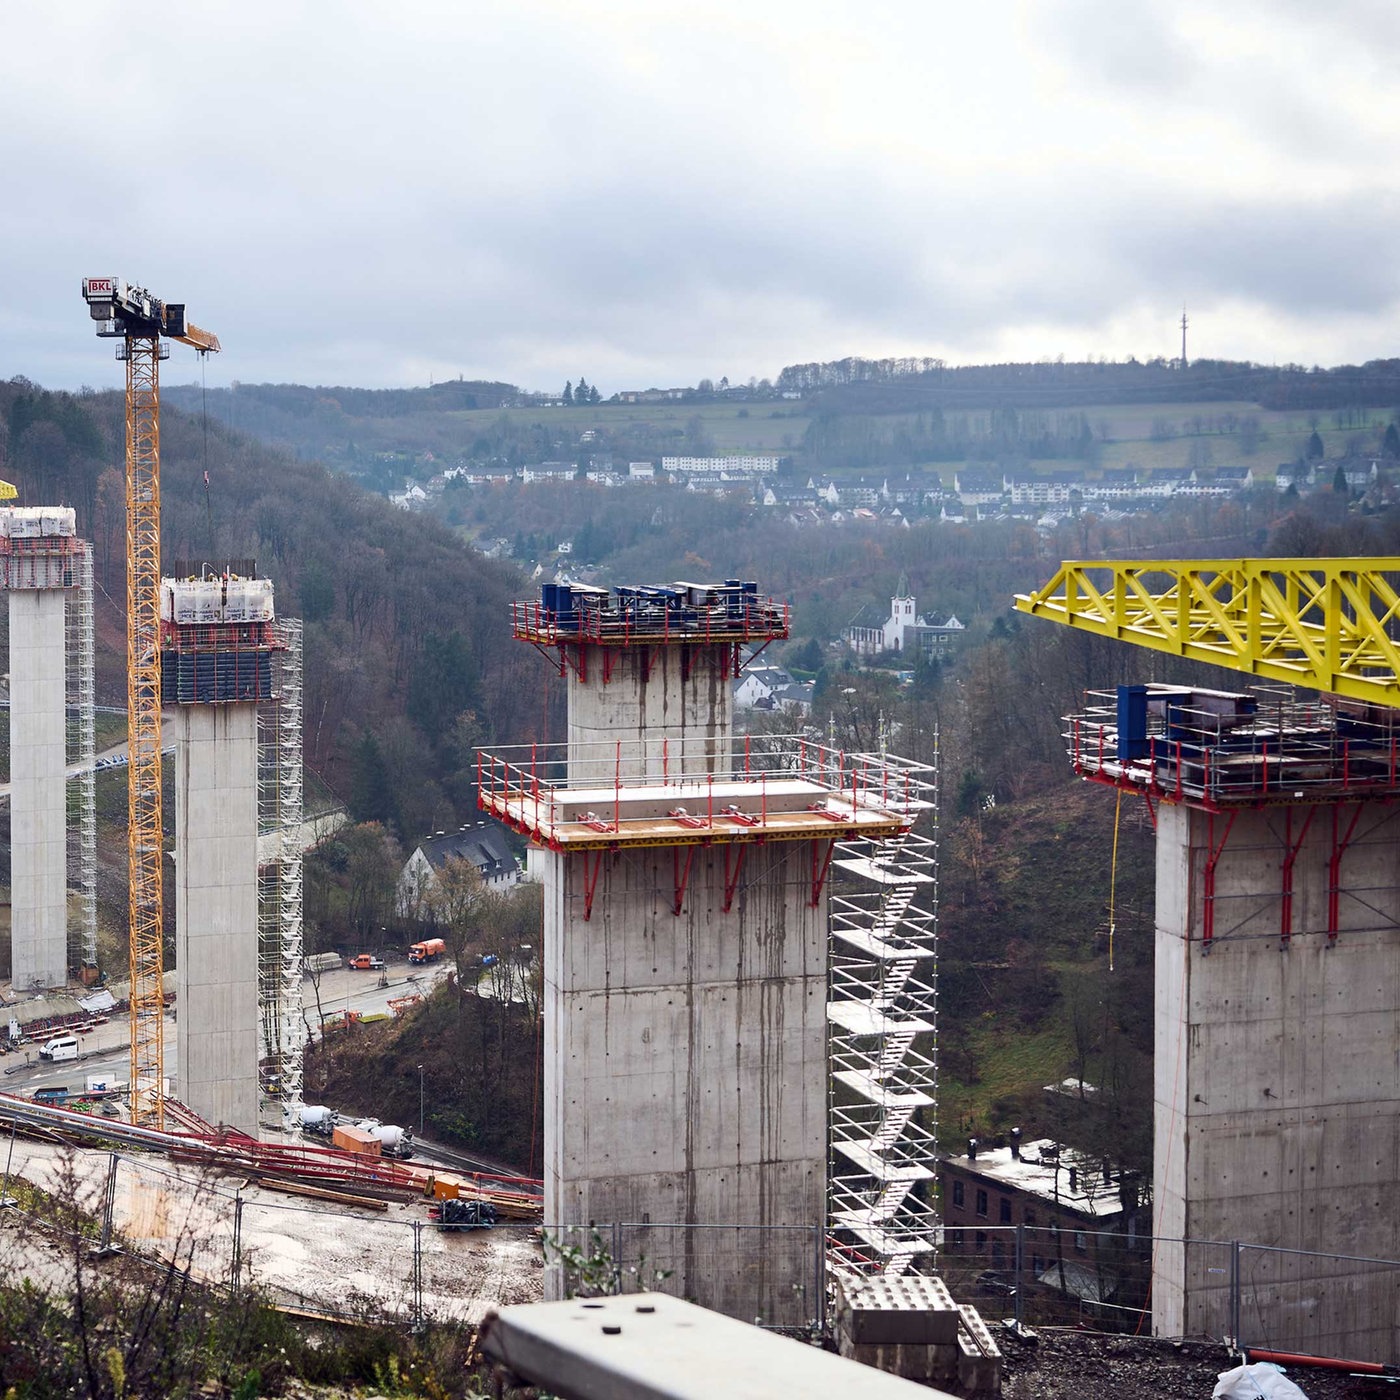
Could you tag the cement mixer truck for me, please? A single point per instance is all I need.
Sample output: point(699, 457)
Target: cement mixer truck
point(317, 1120)
point(393, 1141)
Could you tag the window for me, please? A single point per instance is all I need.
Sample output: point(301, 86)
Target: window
point(957, 1193)
point(955, 1239)
point(998, 1254)
point(1030, 1217)
point(1006, 1210)
point(982, 1204)
point(980, 1240)
point(1081, 1242)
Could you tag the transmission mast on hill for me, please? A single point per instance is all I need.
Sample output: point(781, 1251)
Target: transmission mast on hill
point(138, 320)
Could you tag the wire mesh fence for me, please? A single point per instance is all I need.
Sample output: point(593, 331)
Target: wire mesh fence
point(386, 1262)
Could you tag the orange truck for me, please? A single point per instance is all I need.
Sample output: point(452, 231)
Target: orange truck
point(427, 950)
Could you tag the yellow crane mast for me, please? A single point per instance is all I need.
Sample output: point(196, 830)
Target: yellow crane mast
point(1324, 624)
point(138, 321)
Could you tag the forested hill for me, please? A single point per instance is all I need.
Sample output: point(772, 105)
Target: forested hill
point(904, 386)
point(409, 660)
point(304, 419)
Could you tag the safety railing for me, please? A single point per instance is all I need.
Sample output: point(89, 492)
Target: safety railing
point(643, 622)
point(761, 781)
point(1286, 750)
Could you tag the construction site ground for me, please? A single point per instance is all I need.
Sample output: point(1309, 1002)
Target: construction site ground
point(1066, 1364)
point(313, 1255)
point(324, 1257)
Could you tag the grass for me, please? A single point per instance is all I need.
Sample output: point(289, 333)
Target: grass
point(756, 427)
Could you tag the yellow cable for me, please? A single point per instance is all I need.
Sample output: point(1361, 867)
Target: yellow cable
point(1113, 878)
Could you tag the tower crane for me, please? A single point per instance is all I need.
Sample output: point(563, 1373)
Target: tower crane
point(141, 323)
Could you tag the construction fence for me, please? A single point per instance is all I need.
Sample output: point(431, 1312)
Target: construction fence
point(1256, 1296)
point(395, 1265)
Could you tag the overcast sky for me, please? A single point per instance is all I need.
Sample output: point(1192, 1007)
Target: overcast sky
point(648, 193)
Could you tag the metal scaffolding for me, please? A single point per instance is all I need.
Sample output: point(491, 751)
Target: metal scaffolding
point(283, 1033)
point(884, 1065)
point(81, 759)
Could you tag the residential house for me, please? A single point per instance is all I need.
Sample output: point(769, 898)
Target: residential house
point(483, 846)
point(733, 465)
point(1235, 479)
point(550, 471)
point(1169, 481)
point(1113, 484)
point(758, 683)
point(979, 487)
point(1042, 488)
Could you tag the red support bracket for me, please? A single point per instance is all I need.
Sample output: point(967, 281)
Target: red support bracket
point(821, 865)
point(1216, 850)
point(682, 873)
point(580, 659)
point(1151, 806)
point(732, 873)
point(1340, 842)
point(1290, 857)
point(609, 658)
point(592, 868)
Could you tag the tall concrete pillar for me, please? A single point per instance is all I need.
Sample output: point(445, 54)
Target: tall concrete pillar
point(216, 910)
point(1277, 1096)
point(38, 789)
point(685, 1069)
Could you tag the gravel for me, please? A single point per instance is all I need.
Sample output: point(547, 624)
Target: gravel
point(1066, 1364)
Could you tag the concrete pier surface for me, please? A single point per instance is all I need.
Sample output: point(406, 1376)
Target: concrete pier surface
point(216, 909)
point(670, 706)
point(685, 1069)
point(38, 788)
point(1277, 1097)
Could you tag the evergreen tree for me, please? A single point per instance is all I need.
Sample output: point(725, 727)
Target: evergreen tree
point(581, 393)
point(1339, 480)
point(1390, 442)
point(1316, 452)
point(371, 793)
point(443, 684)
point(569, 391)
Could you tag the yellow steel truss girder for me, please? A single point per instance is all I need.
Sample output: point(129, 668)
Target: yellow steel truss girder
point(144, 825)
point(1325, 624)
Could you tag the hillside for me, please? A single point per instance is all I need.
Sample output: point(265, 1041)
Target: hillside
point(408, 653)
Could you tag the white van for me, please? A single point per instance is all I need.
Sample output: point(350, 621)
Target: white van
point(63, 1047)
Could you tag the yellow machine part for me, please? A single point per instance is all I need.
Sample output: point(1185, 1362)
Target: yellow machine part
point(1325, 624)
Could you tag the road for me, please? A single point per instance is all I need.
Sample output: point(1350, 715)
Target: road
point(106, 1049)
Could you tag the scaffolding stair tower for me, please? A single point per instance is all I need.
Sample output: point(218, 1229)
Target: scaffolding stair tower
point(283, 1033)
point(883, 1019)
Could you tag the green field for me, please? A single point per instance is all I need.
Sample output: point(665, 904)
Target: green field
point(755, 427)
point(1146, 436)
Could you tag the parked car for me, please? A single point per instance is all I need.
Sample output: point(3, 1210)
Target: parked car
point(367, 962)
